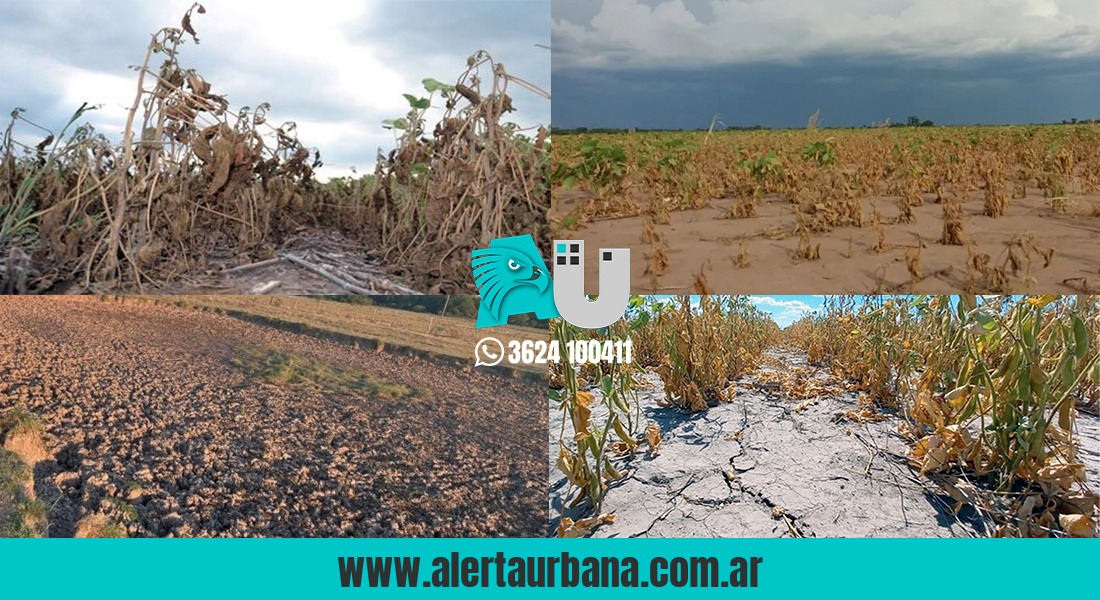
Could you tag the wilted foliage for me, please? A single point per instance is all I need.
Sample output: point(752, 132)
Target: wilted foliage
point(603, 428)
point(705, 344)
point(193, 181)
point(988, 388)
point(474, 178)
point(188, 177)
point(827, 182)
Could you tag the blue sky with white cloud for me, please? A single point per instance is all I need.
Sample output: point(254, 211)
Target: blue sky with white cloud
point(335, 67)
point(785, 310)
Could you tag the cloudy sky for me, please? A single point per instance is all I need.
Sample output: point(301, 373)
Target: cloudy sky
point(677, 63)
point(784, 310)
point(788, 309)
point(336, 67)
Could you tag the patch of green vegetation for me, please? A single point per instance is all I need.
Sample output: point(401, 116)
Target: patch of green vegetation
point(294, 369)
point(20, 516)
point(19, 420)
point(126, 509)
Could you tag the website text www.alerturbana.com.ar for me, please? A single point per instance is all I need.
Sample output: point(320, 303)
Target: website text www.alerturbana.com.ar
point(564, 570)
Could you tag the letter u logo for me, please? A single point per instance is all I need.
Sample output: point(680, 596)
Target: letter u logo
point(614, 292)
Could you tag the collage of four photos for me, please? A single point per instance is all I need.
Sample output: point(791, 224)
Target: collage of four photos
point(761, 269)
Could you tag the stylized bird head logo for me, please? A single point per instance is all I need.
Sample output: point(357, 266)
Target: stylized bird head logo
point(510, 264)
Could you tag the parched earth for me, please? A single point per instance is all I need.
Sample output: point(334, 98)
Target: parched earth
point(150, 425)
point(764, 249)
point(760, 467)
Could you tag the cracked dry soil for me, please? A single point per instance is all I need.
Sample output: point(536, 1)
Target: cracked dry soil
point(756, 467)
point(150, 425)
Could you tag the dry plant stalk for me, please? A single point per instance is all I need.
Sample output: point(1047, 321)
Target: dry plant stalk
point(992, 172)
point(192, 178)
point(700, 285)
point(953, 232)
point(806, 250)
point(474, 178)
point(189, 176)
point(742, 260)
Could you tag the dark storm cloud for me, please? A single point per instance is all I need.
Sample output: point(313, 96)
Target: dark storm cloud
point(677, 63)
point(850, 91)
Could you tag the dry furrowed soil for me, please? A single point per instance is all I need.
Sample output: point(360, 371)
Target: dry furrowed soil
point(764, 249)
point(150, 424)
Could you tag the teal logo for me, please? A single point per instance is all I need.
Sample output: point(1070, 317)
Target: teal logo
point(512, 280)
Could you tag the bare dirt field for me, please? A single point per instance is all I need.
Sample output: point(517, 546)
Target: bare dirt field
point(168, 421)
point(764, 466)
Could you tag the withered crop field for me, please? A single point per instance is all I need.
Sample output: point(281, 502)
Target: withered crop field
point(204, 196)
point(156, 420)
point(875, 416)
point(880, 210)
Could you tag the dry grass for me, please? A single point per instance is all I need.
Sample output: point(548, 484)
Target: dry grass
point(98, 526)
point(452, 335)
point(286, 368)
point(449, 336)
point(21, 514)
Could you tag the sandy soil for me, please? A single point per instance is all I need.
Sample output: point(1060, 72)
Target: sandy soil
point(150, 425)
point(811, 473)
point(703, 241)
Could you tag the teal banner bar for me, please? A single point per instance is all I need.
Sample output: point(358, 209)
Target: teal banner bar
point(459, 568)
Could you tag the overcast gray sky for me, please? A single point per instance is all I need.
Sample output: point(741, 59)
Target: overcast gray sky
point(336, 67)
point(676, 63)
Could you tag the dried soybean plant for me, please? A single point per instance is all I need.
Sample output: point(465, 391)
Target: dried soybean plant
point(473, 178)
point(989, 388)
point(973, 172)
point(707, 343)
point(190, 177)
point(599, 400)
point(604, 416)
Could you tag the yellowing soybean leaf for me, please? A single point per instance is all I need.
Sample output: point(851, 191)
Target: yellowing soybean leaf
point(1042, 301)
point(1078, 526)
point(621, 431)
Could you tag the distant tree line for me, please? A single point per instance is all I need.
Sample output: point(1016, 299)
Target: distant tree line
point(584, 130)
point(456, 306)
point(912, 121)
